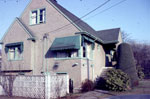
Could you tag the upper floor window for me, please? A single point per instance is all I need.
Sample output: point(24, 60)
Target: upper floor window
point(37, 16)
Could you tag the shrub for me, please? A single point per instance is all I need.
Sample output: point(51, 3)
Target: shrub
point(100, 83)
point(87, 85)
point(115, 80)
point(140, 72)
point(126, 62)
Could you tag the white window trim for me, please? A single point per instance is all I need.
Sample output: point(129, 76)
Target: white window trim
point(38, 16)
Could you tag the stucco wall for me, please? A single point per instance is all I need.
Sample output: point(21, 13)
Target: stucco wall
point(99, 60)
point(91, 68)
point(36, 55)
point(17, 34)
point(68, 66)
point(54, 20)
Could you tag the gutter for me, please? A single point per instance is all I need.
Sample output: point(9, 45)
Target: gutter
point(90, 35)
point(32, 38)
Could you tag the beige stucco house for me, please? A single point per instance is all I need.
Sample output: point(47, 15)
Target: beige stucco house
point(47, 38)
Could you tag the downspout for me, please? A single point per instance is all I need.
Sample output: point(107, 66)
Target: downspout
point(45, 43)
point(43, 54)
point(46, 50)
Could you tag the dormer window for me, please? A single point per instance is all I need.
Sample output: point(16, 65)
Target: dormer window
point(37, 16)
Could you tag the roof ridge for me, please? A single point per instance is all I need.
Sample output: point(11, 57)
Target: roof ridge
point(108, 29)
point(76, 20)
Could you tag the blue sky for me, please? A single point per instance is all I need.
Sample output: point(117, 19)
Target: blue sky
point(132, 16)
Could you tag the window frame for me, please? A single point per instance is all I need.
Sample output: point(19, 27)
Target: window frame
point(87, 51)
point(68, 54)
point(38, 16)
point(17, 54)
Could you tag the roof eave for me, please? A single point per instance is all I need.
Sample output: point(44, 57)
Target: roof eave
point(90, 35)
point(32, 38)
point(111, 42)
point(64, 15)
point(21, 24)
point(17, 19)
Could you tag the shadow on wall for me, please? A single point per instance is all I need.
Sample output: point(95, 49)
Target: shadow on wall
point(49, 54)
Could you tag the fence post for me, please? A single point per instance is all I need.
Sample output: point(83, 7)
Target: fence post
point(67, 83)
point(47, 86)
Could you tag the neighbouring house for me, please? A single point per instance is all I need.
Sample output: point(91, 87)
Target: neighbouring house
point(47, 38)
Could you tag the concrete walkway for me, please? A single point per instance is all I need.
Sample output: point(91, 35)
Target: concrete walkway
point(143, 88)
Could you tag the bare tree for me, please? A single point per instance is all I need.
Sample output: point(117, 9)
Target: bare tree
point(125, 36)
point(7, 84)
point(141, 53)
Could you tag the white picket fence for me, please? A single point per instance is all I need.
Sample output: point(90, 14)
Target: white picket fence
point(35, 86)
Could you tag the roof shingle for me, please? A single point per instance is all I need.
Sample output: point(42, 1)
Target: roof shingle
point(110, 35)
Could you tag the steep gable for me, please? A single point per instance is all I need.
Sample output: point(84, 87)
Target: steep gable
point(109, 35)
point(15, 31)
point(54, 20)
point(18, 21)
point(81, 24)
point(105, 36)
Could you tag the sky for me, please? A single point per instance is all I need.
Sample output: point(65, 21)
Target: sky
point(132, 16)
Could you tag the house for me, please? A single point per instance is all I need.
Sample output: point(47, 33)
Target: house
point(47, 38)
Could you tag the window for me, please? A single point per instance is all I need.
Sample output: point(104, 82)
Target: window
point(98, 47)
point(37, 16)
point(42, 15)
point(88, 50)
point(14, 53)
point(34, 17)
point(66, 54)
point(84, 51)
point(14, 50)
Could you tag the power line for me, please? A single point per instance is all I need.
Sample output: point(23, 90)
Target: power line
point(95, 9)
point(83, 16)
point(106, 9)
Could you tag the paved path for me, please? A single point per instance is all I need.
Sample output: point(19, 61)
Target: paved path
point(143, 88)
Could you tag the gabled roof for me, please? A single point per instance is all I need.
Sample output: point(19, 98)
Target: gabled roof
point(77, 21)
point(23, 26)
point(104, 36)
point(109, 35)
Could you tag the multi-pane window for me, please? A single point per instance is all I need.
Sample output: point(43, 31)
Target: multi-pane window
point(37, 16)
point(14, 53)
point(14, 50)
